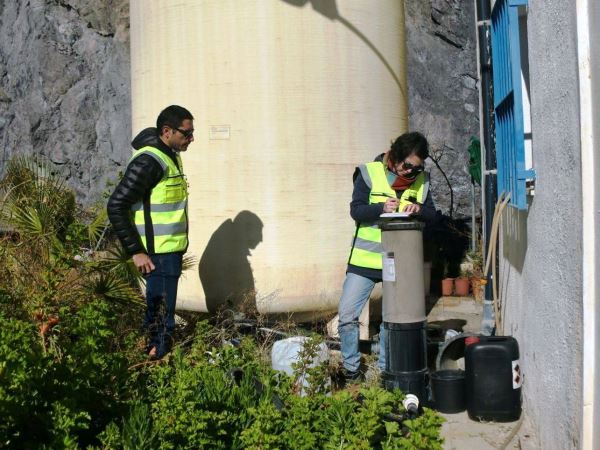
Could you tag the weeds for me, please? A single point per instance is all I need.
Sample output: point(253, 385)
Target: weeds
point(73, 374)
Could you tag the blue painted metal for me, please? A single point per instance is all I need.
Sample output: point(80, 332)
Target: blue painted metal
point(508, 103)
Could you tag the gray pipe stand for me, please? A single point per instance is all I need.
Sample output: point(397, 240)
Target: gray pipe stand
point(404, 315)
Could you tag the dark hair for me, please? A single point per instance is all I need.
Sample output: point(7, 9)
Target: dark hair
point(172, 116)
point(409, 144)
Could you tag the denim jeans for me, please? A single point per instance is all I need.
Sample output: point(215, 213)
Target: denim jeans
point(161, 296)
point(355, 294)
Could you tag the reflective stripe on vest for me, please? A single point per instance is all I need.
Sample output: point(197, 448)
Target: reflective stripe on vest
point(158, 207)
point(166, 209)
point(366, 245)
point(163, 229)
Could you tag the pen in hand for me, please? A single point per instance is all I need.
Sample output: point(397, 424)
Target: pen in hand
point(390, 205)
point(383, 194)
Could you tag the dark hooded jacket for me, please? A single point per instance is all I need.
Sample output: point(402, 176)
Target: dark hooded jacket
point(141, 176)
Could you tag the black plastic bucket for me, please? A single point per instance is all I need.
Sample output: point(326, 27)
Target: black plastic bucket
point(448, 391)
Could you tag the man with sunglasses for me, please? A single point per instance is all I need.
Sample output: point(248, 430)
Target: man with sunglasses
point(395, 181)
point(148, 212)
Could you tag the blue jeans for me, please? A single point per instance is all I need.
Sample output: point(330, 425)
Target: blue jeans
point(161, 296)
point(356, 292)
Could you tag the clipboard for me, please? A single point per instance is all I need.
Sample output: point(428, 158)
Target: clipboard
point(396, 215)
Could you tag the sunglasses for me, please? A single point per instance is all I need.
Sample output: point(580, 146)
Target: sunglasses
point(412, 167)
point(186, 133)
point(408, 167)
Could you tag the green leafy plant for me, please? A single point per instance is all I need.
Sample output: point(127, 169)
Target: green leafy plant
point(311, 376)
point(419, 433)
point(73, 373)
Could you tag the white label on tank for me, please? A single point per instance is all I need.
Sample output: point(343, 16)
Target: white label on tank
point(389, 268)
point(517, 376)
point(219, 132)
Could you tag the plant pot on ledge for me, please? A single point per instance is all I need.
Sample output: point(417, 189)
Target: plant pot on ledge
point(447, 286)
point(461, 286)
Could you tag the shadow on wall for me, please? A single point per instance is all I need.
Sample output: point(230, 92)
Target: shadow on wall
point(328, 8)
point(224, 269)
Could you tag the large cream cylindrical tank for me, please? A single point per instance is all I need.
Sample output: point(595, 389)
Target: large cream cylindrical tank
point(288, 96)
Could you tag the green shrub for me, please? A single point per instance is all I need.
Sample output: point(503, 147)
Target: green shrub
point(63, 387)
point(22, 385)
point(73, 374)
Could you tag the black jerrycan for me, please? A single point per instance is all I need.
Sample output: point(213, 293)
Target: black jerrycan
point(493, 378)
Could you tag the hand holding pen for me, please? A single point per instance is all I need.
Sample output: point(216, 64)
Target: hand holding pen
point(391, 205)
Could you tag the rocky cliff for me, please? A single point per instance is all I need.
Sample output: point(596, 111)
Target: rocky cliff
point(65, 94)
point(64, 86)
point(443, 95)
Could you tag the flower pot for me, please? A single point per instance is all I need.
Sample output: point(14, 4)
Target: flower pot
point(461, 287)
point(477, 287)
point(447, 286)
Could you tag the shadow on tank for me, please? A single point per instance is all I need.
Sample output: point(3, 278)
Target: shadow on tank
point(329, 9)
point(224, 269)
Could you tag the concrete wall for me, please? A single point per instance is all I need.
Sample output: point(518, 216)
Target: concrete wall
point(588, 29)
point(541, 254)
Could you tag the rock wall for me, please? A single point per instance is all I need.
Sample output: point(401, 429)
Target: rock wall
point(65, 87)
point(443, 91)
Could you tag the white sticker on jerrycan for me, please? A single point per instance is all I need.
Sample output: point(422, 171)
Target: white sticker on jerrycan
point(389, 267)
point(517, 376)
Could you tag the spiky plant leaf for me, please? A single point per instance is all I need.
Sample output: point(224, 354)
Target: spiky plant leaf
point(119, 262)
point(31, 184)
point(26, 220)
point(112, 287)
point(97, 227)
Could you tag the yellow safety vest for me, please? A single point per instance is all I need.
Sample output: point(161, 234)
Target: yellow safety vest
point(366, 246)
point(166, 231)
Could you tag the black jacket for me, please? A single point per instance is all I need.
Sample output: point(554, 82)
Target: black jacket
point(141, 176)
